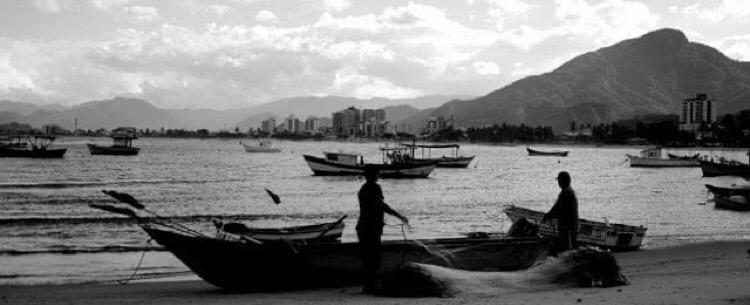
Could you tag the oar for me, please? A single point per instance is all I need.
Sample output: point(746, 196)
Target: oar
point(125, 198)
point(331, 226)
point(114, 209)
point(276, 199)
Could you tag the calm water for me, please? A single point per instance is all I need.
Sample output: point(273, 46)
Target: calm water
point(48, 233)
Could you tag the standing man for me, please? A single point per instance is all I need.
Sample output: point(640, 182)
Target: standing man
point(372, 210)
point(565, 211)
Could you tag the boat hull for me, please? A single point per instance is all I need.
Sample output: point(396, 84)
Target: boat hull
point(13, 152)
point(283, 266)
point(326, 231)
point(616, 237)
point(533, 152)
point(260, 149)
point(728, 203)
point(112, 150)
point(713, 169)
point(450, 162)
point(323, 167)
point(636, 161)
point(728, 191)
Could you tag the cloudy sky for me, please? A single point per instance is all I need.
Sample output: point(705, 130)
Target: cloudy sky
point(234, 53)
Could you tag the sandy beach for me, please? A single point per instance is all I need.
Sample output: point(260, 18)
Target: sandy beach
point(703, 273)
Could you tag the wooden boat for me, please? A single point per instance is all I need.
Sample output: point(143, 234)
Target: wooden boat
point(322, 232)
point(263, 146)
point(34, 147)
point(734, 202)
point(407, 154)
point(347, 164)
point(727, 168)
point(240, 265)
point(534, 152)
point(616, 237)
point(728, 191)
point(652, 157)
point(122, 145)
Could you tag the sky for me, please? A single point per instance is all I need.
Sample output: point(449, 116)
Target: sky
point(225, 54)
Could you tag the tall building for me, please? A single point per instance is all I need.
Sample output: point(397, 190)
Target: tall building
point(312, 125)
point(380, 115)
point(346, 122)
point(268, 125)
point(696, 112)
point(293, 124)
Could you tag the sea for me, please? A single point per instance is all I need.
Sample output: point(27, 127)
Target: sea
point(49, 234)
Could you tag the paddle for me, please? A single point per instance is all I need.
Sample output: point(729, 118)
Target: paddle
point(114, 209)
point(331, 226)
point(125, 198)
point(276, 199)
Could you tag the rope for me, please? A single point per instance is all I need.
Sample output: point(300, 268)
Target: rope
point(137, 267)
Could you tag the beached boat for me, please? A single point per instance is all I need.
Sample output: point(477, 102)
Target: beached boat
point(263, 146)
point(558, 153)
point(240, 265)
point(347, 164)
point(122, 145)
point(617, 237)
point(320, 232)
point(725, 168)
point(652, 157)
point(406, 153)
point(32, 147)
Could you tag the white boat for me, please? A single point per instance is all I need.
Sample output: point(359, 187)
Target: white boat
point(617, 237)
point(652, 157)
point(263, 146)
point(348, 164)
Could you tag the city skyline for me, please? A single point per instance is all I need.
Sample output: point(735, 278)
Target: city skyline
point(226, 54)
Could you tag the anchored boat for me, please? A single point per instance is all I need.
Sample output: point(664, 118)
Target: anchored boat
point(31, 147)
point(347, 164)
point(652, 157)
point(122, 145)
point(723, 167)
point(263, 146)
point(558, 153)
point(617, 237)
point(730, 198)
point(406, 153)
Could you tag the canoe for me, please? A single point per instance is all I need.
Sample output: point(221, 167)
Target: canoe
point(735, 203)
point(238, 265)
point(113, 150)
point(636, 161)
point(715, 169)
point(328, 167)
point(613, 236)
point(321, 232)
point(534, 152)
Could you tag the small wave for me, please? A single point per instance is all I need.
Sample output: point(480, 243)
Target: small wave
point(81, 250)
point(30, 221)
point(61, 185)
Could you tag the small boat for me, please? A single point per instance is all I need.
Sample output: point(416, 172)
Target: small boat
point(728, 191)
point(724, 168)
point(263, 146)
point(247, 266)
point(652, 157)
point(734, 202)
point(32, 147)
point(678, 157)
point(406, 154)
point(613, 236)
point(559, 153)
point(323, 232)
point(122, 145)
point(348, 164)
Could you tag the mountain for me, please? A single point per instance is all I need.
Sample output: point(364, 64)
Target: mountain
point(122, 111)
point(651, 74)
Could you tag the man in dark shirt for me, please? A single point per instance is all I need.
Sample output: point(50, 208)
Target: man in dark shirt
point(370, 225)
point(565, 211)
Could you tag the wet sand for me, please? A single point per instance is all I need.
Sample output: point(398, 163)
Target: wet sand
point(705, 273)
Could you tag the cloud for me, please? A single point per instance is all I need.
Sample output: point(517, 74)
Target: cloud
point(142, 13)
point(715, 12)
point(219, 10)
point(486, 68)
point(52, 6)
point(736, 46)
point(336, 5)
point(266, 16)
point(351, 83)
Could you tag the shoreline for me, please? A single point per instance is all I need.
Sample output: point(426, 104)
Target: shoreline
point(700, 273)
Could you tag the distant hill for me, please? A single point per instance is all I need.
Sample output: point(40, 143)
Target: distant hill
point(142, 114)
point(651, 74)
